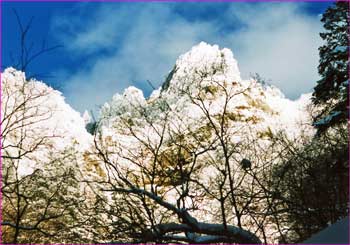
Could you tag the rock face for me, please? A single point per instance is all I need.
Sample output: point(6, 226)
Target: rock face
point(204, 60)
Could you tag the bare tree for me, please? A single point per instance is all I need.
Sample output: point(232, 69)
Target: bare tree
point(181, 179)
point(312, 181)
point(28, 53)
point(37, 183)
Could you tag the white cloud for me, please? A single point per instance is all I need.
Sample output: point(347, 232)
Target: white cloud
point(280, 43)
point(277, 40)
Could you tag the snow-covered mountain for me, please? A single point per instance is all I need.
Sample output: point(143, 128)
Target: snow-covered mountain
point(208, 73)
point(204, 115)
point(204, 106)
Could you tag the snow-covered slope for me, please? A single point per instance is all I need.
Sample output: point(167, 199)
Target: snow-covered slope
point(337, 233)
point(37, 122)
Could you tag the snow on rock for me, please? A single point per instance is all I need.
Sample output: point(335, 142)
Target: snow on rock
point(36, 114)
point(87, 117)
point(131, 99)
point(203, 61)
point(203, 72)
point(208, 59)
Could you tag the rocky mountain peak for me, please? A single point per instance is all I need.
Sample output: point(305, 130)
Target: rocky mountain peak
point(201, 62)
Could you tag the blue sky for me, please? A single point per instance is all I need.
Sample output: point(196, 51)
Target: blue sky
point(109, 46)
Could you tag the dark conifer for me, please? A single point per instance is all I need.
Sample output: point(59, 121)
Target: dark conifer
point(331, 91)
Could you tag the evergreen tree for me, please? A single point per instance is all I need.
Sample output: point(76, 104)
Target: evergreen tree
point(331, 92)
